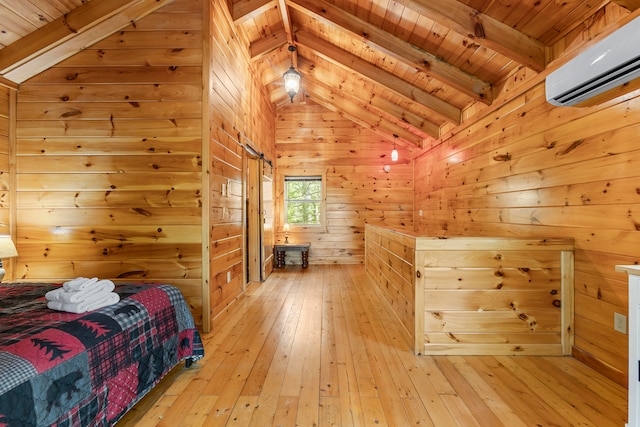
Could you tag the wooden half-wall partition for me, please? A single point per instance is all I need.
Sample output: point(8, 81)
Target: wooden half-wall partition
point(476, 295)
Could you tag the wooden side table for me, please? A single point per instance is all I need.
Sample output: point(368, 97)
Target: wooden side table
point(281, 248)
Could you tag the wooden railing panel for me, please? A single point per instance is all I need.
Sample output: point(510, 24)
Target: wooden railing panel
point(390, 261)
point(487, 278)
point(476, 295)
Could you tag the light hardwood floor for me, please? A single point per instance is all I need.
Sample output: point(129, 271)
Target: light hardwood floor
point(316, 347)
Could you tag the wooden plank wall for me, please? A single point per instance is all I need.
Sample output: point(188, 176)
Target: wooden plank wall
point(239, 112)
point(311, 140)
point(7, 187)
point(5, 121)
point(494, 296)
point(110, 157)
point(530, 169)
point(391, 264)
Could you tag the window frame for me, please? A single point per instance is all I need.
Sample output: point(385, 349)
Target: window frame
point(322, 201)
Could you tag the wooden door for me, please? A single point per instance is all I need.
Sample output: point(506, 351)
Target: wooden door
point(254, 232)
point(268, 209)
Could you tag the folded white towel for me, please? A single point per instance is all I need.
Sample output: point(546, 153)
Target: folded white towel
point(55, 294)
point(79, 283)
point(64, 296)
point(109, 298)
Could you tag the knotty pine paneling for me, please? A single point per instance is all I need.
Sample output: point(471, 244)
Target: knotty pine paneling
point(7, 192)
point(311, 140)
point(239, 113)
point(475, 295)
point(109, 158)
point(390, 263)
point(530, 169)
point(115, 178)
point(5, 119)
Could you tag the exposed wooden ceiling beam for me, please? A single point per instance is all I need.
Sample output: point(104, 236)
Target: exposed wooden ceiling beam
point(403, 122)
point(484, 29)
point(69, 34)
point(379, 39)
point(379, 105)
point(630, 5)
point(263, 46)
point(248, 9)
point(381, 77)
point(288, 29)
point(334, 101)
point(286, 20)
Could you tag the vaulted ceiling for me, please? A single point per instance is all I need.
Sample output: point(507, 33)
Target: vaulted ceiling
point(399, 67)
point(407, 67)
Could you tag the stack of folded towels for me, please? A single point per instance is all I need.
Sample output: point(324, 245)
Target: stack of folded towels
point(82, 294)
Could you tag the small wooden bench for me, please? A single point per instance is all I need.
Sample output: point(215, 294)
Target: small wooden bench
point(281, 248)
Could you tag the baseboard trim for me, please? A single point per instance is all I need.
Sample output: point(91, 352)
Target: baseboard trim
point(600, 366)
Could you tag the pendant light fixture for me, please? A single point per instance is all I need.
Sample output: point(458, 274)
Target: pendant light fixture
point(291, 78)
point(394, 153)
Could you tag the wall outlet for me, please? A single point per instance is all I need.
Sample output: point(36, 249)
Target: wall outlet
point(229, 279)
point(620, 323)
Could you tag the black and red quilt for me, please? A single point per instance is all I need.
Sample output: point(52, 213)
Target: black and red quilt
point(66, 369)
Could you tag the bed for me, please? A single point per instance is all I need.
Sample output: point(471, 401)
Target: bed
point(66, 369)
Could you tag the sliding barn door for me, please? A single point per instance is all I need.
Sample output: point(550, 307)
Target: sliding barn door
point(268, 222)
point(253, 203)
point(259, 216)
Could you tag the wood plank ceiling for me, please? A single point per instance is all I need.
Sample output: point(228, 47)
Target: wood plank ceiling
point(398, 67)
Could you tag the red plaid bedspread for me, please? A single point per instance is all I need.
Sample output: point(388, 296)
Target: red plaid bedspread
point(65, 369)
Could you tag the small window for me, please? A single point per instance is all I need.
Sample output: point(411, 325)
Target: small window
point(303, 200)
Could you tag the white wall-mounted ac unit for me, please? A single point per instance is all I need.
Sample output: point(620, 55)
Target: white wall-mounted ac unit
point(608, 64)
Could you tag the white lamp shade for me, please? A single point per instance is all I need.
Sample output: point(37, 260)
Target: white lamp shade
point(286, 226)
point(7, 248)
point(394, 155)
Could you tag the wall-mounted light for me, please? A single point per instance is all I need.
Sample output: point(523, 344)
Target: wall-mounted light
point(291, 78)
point(394, 153)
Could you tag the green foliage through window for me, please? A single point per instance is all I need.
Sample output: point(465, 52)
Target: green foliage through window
point(303, 196)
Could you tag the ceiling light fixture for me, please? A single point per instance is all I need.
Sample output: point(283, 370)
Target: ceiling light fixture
point(394, 153)
point(291, 78)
